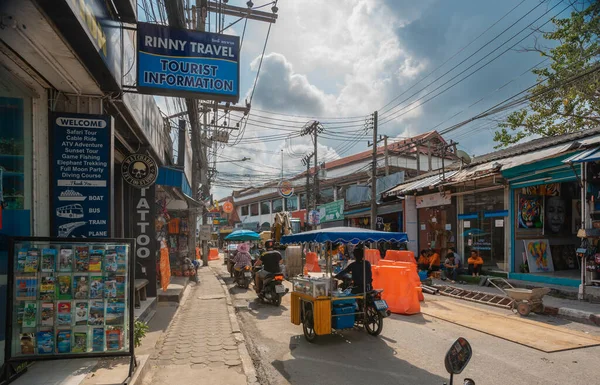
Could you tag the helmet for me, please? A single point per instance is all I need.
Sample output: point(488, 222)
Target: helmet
point(269, 244)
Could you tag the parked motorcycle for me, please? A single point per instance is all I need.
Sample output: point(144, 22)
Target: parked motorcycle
point(457, 358)
point(273, 289)
point(243, 277)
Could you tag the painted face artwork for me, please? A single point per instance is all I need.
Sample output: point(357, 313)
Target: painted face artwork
point(555, 214)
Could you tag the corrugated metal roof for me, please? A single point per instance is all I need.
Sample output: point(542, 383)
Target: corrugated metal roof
point(590, 155)
point(430, 181)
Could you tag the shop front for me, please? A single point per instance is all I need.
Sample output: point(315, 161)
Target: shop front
point(482, 225)
point(545, 218)
point(436, 215)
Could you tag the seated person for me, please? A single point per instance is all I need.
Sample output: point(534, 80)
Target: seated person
point(451, 266)
point(360, 270)
point(270, 261)
point(475, 263)
point(242, 257)
point(434, 261)
point(423, 261)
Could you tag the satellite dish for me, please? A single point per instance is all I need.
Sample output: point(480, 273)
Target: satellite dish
point(463, 156)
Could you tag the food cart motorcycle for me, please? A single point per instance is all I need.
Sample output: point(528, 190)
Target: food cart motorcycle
point(315, 302)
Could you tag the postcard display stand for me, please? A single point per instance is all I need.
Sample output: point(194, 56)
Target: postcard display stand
point(70, 299)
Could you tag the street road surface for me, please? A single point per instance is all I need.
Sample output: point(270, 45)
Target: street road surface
point(410, 350)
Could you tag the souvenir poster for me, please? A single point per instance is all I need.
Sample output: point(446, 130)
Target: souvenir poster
point(45, 342)
point(27, 343)
point(96, 315)
point(120, 281)
point(110, 259)
point(96, 287)
point(113, 339)
point(64, 287)
point(115, 312)
point(48, 260)
point(30, 315)
point(539, 256)
point(47, 288)
point(81, 312)
point(81, 286)
point(110, 287)
point(26, 287)
point(63, 313)
point(21, 259)
point(79, 342)
point(121, 259)
point(65, 260)
point(98, 339)
point(47, 314)
point(82, 255)
point(530, 212)
point(95, 261)
point(32, 261)
point(63, 341)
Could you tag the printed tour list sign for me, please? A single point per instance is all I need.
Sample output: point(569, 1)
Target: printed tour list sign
point(80, 171)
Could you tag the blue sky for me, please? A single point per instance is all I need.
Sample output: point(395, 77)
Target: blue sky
point(340, 59)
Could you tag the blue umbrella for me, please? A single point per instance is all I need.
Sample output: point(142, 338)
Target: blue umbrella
point(243, 235)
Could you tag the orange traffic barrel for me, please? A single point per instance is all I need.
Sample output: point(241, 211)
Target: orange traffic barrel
point(213, 254)
point(400, 256)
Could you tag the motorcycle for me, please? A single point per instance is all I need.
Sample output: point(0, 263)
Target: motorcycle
point(457, 358)
point(243, 277)
point(273, 289)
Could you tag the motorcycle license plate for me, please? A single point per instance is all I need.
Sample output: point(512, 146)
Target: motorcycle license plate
point(247, 274)
point(279, 289)
point(381, 305)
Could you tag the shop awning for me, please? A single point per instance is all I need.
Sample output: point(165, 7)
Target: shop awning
point(429, 182)
point(173, 177)
point(357, 213)
point(590, 155)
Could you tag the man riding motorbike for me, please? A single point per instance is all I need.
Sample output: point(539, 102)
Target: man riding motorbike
point(270, 260)
point(360, 270)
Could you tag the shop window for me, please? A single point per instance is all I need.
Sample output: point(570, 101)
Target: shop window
point(244, 210)
point(265, 208)
point(326, 195)
point(484, 223)
point(13, 171)
point(254, 209)
point(291, 204)
point(277, 205)
point(303, 202)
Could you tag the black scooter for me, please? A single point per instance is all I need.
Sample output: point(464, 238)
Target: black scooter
point(273, 289)
point(243, 277)
point(457, 359)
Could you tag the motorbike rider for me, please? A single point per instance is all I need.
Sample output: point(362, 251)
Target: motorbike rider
point(242, 257)
point(360, 270)
point(270, 260)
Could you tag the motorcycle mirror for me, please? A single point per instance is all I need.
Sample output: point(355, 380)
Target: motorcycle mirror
point(458, 356)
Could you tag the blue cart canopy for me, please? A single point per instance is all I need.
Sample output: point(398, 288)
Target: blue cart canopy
point(243, 235)
point(344, 234)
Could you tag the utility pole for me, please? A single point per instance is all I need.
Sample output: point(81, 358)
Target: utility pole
point(374, 175)
point(281, 164)
point(385, 155)
point(306, 162)
point(314, 128)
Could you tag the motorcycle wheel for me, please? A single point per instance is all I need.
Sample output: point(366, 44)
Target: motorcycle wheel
point(308, 327)
point(373, 321)
point(277, 300)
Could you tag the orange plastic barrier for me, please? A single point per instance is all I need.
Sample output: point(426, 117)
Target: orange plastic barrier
point(400, 256)
point(401, 295)
point(213, 254)
point(412, 269)
point(373, 256)
point(312, 262)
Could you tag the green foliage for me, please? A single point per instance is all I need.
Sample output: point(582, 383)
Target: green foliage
point(139, 332)
point(563, 102)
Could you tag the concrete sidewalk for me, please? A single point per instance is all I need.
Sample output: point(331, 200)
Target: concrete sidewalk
point(200, 345)
point(574, 310)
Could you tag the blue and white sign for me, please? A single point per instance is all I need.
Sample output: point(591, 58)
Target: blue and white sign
point(81, 175)
point(178, 62)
